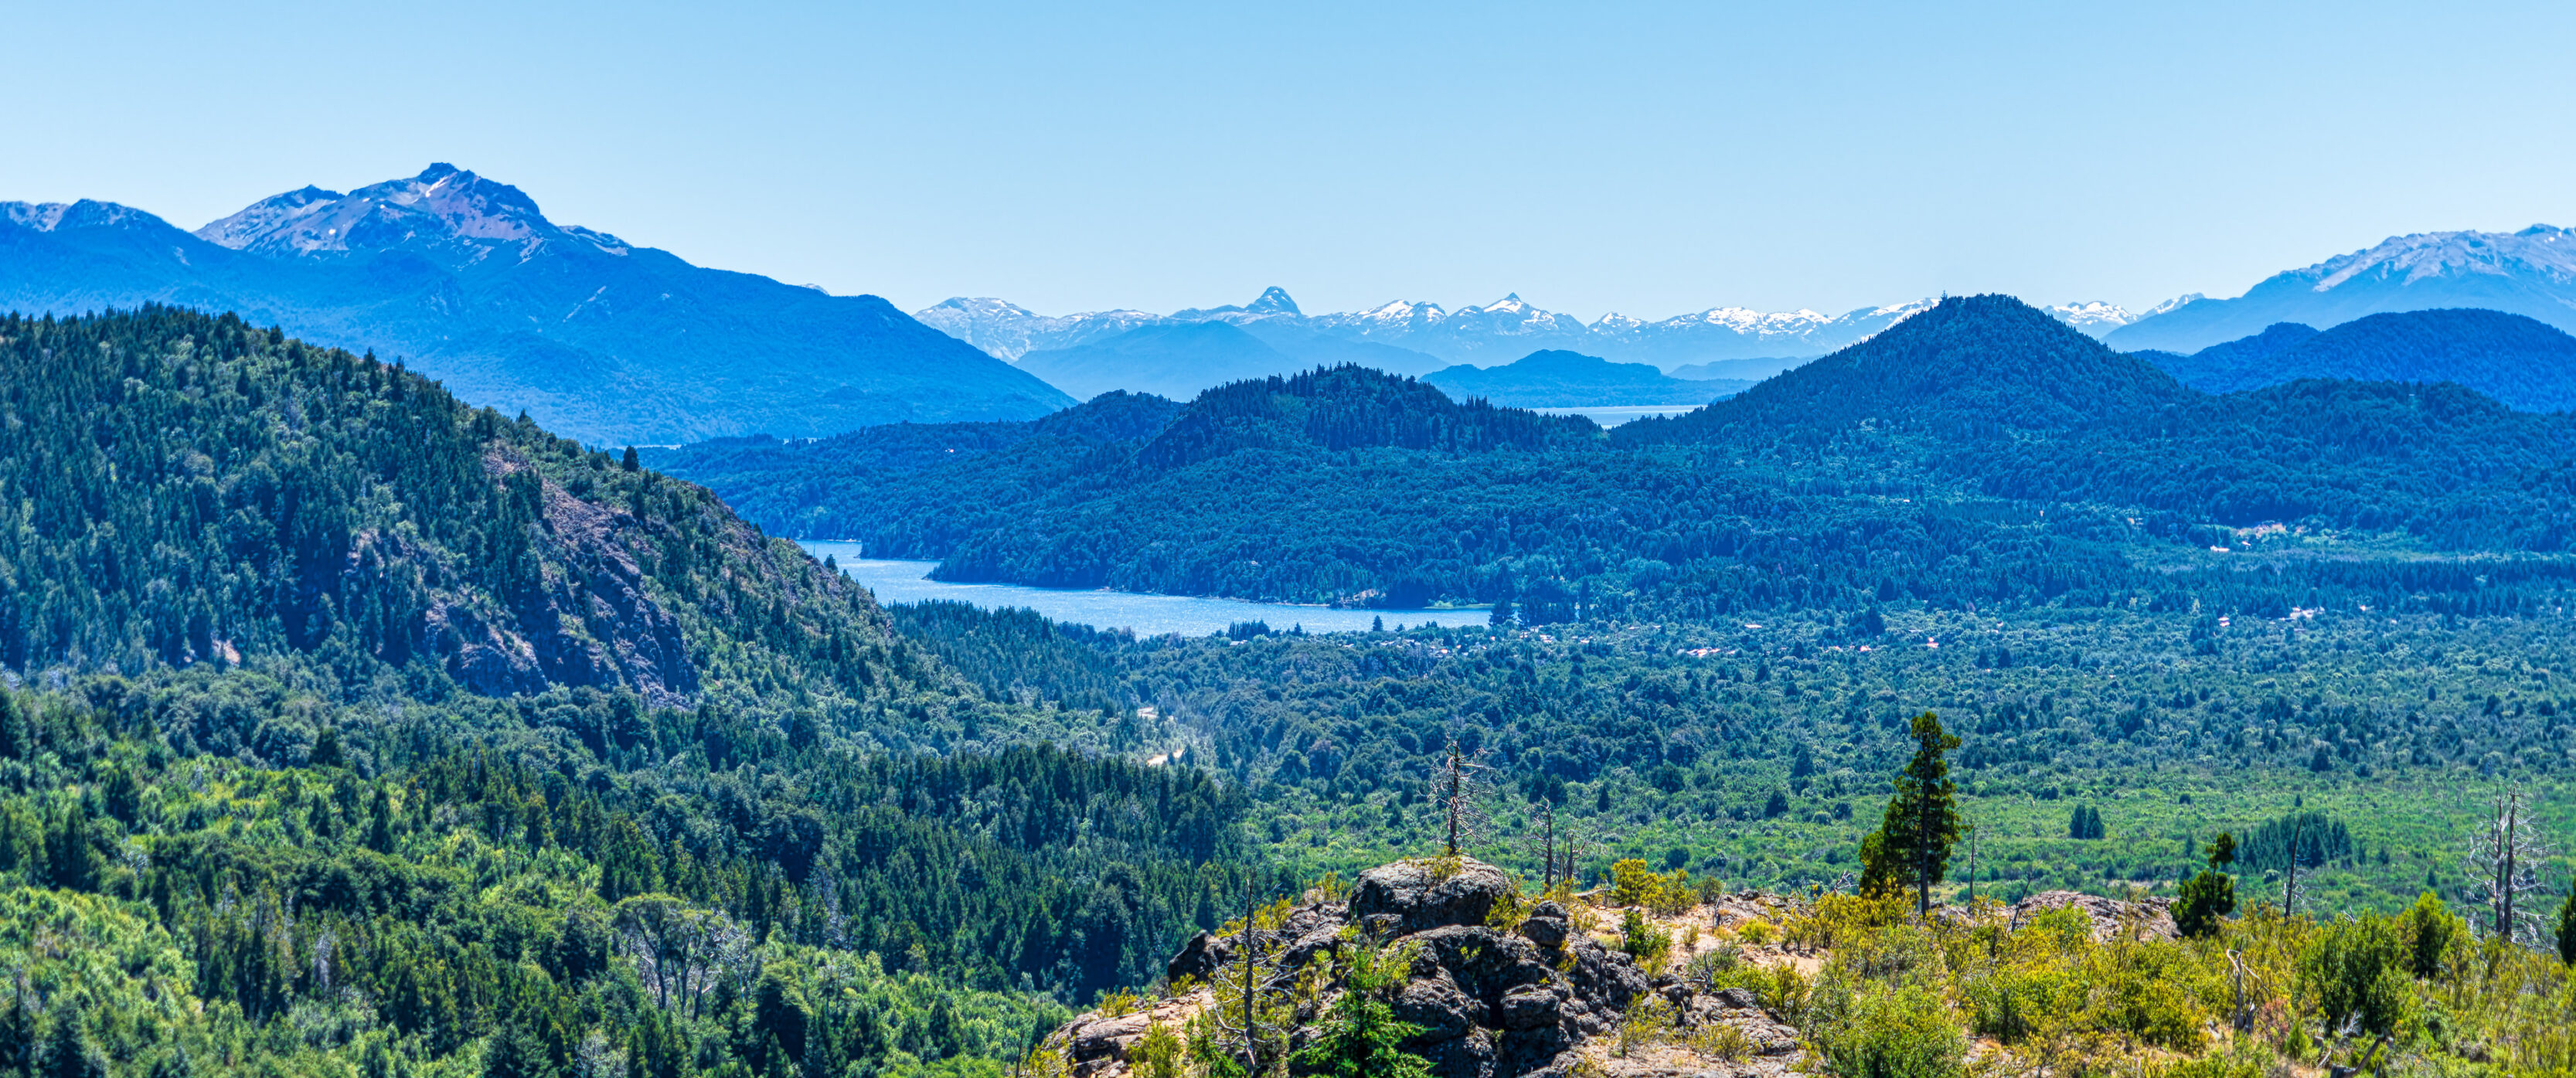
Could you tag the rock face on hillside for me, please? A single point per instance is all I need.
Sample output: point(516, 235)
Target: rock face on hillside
point(1501, 1001)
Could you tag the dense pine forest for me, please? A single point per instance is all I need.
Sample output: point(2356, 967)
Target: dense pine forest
point(348, 728)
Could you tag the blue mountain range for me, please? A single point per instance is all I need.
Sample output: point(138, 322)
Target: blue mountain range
point(465, 281)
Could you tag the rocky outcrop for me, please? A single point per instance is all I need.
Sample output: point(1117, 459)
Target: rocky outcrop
point(1416, 896)
point(1519, 998)
point(2148, 920)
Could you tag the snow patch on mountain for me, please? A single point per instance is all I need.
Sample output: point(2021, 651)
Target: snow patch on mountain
point(1496, 332)
point(2540, 250)
point(86, 213)
point(2531, 273)
point(443, 206)
point(2093, 318)
point(1010, 331)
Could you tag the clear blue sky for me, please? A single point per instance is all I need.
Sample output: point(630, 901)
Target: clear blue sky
point(1649, 159)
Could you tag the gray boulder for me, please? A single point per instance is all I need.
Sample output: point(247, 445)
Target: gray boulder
point(1420, 895)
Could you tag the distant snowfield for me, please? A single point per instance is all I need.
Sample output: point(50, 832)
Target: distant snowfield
point(1493, 333)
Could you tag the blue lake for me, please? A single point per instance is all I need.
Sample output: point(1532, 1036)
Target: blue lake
point(1148, 615)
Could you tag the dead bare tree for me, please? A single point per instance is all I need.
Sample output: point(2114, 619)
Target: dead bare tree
point(1575, 839)
point(1544, 844)
point(2505, 855)
point(2290, 875)
point(1252, 1030)
point(1459, 785)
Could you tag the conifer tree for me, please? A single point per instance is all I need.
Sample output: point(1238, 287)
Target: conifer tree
point(1360, 1037)
point(2211, 894)
point(514, 1053)
point(1911, 847)
point(2567, 930)
point(69, 1053)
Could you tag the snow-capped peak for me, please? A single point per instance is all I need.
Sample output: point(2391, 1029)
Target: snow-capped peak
point(1399, 312)
point(443, 204)
point(2093, 318)
point(266, 215)
point(86, 213)
point(2536, 249)
point(2182, 300)
point(1274, 300)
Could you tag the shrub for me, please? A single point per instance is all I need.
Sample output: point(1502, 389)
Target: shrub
point(1712, 966)
point(1634, 883)
point(2357, 968)
point(2155, 993)
point(1892, 1033)
point(1719, 1040)
point(1836, 918)
point(1157, 1055)
point(2431, 931)
point(1643, 941)
point(2206, 898)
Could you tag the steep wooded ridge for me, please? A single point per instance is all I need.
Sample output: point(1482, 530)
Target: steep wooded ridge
point(189, 490)
point(1980, 452)
point(333, 704)
point(465, 279)
point(1971, 366)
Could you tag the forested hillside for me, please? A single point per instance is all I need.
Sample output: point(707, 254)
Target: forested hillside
point(191, 490)
point(566, 885)
point(1972, 366)
point(1980, 453)
point(346, 728)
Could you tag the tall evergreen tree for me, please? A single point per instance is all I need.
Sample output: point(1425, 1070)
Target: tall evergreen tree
point(1361, 1036)
point(2567, 930)
point(515, 1053)
point(69, 1053)
point(2210, 895)
point(1911, 847)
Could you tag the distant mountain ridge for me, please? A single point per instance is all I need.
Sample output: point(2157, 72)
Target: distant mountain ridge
point(1984, 442)
point(2530, 273)
point(1560, 379)
point(1972, 364)
point(2525, 364)
point(1508, 327)
point(1168, 359)
point(466, 281)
